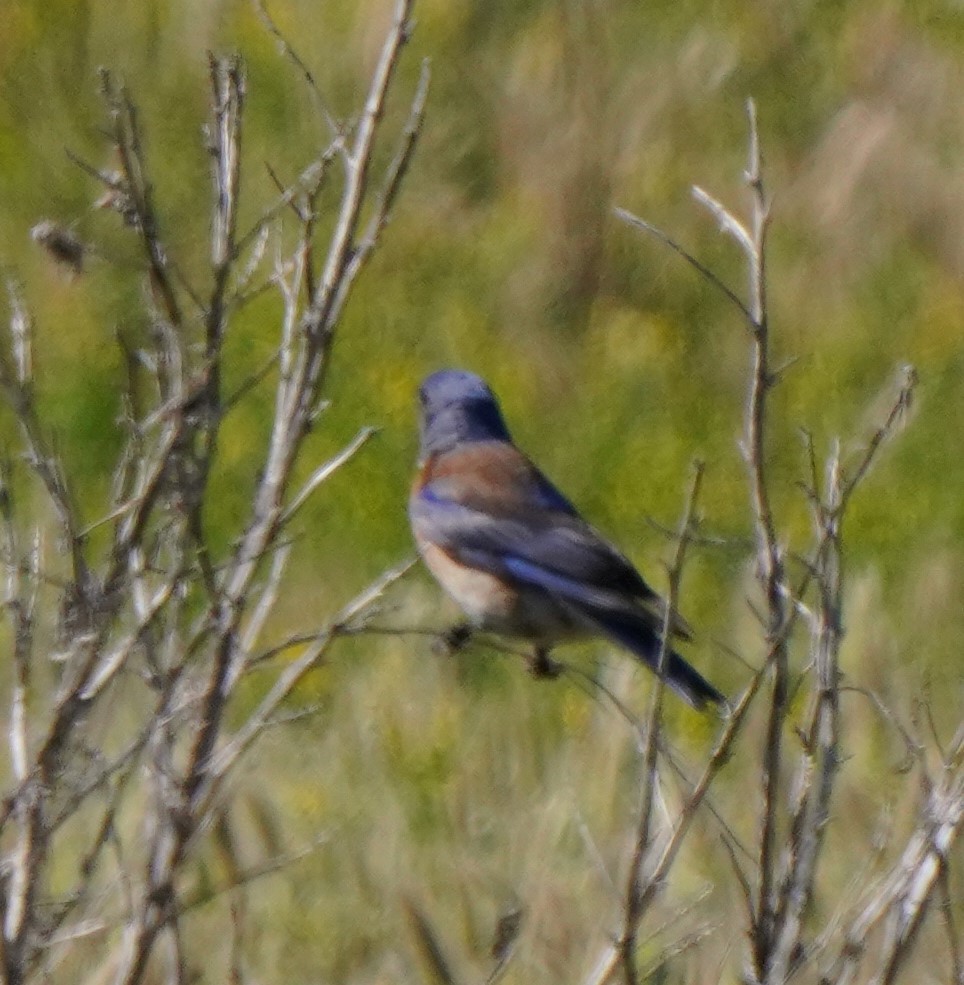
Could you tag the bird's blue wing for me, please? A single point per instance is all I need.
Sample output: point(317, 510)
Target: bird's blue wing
point(488, 506)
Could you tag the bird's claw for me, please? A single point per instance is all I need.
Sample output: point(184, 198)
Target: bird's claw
point(453, 640)
point(541, 665)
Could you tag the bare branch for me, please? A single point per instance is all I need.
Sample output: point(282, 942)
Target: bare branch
point(326, 470)
point(699, 267)
point(288, 50)
point(902, 896)
point(728, 222)
point(295, 671)
point(633, 911)
point(161, 612)
point(906, 385)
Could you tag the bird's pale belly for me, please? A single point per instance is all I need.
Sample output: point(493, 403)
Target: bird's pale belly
point(496, 607)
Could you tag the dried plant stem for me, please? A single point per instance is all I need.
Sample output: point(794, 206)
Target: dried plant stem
point(163, 615)
point(633, 909)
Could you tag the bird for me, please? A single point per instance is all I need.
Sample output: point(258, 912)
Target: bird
point(515, 554)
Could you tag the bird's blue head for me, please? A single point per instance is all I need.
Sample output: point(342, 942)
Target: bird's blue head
point(457, 408)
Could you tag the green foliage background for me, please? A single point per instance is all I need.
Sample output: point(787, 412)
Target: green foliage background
point(617, 367)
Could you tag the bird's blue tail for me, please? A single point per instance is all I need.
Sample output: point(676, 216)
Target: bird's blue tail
point(638, 636)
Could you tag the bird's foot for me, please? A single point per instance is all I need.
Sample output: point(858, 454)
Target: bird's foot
point(541, 665)
point(453, 640)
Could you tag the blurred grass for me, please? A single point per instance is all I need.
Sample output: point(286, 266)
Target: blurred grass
point(463, 785)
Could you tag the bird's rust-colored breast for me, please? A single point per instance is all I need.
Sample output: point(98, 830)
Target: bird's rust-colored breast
point(490, 474)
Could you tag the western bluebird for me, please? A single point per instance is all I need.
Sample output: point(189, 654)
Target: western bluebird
point(513, 551)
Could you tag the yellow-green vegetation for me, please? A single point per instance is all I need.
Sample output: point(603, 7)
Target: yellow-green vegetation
point(447, 789)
